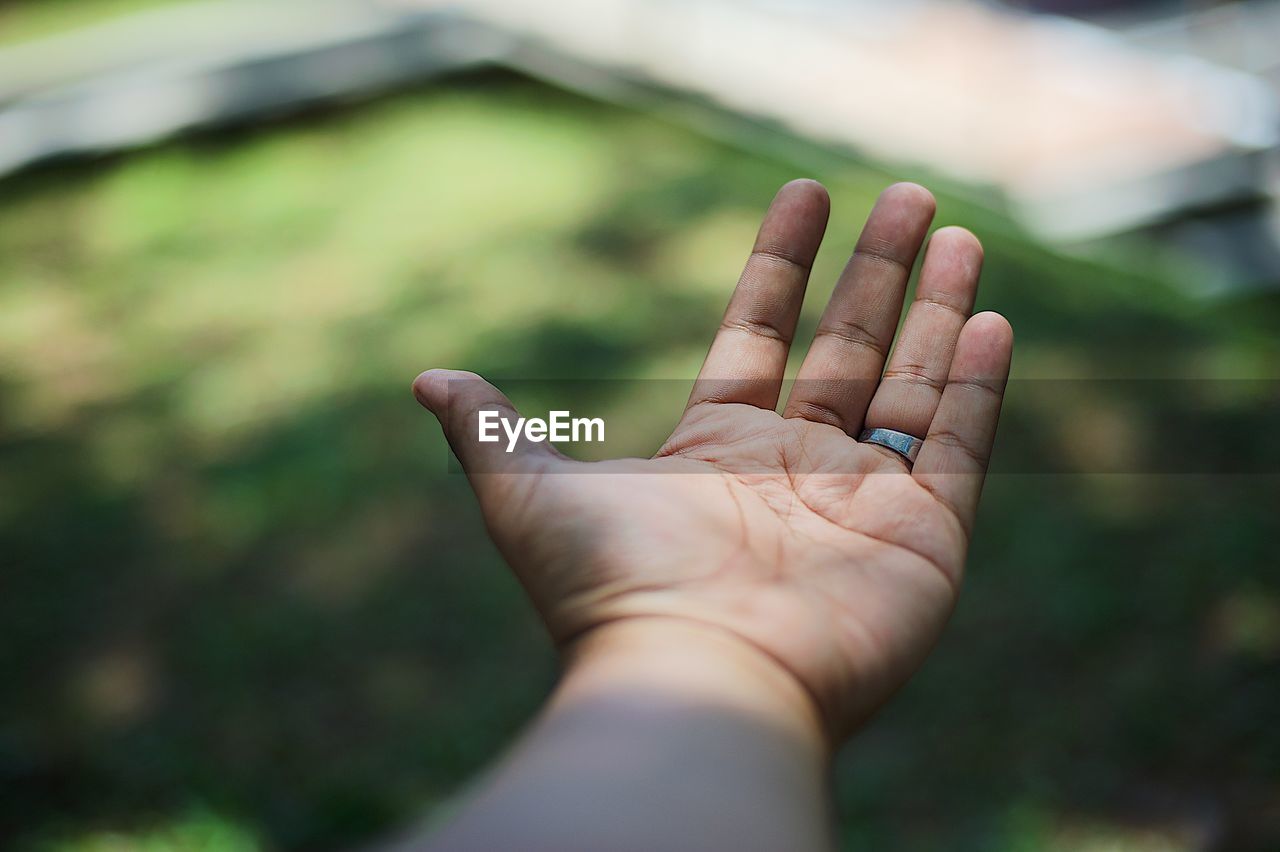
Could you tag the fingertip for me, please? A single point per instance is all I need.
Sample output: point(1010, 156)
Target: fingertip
point(957, 237)
point(899, 222)
point(985, 346)
point(952, 265)
point(911, 194)
point(430, 388)
point(808, 187)
point(992, 326)
point(794, 224)
point(806, 197)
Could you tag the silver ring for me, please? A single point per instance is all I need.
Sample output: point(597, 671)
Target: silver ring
point(907, 446)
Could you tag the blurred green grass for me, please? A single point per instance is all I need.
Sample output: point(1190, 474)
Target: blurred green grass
point(27, 20)
point(243, 600)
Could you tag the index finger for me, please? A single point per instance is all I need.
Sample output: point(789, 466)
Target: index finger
point(749, 352)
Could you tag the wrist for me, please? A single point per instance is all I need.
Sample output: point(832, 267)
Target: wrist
point(660, 731)
point(680, 662)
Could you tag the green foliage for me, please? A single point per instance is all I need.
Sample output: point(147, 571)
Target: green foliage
point(25, 20)
point(195, 832)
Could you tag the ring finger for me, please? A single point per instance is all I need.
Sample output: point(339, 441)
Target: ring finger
point(912, 385)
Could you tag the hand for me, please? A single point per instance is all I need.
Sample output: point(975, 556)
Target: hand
point(781, 535)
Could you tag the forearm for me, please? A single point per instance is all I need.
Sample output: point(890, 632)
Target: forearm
point(660, 736)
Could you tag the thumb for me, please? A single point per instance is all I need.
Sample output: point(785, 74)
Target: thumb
point(471, 412)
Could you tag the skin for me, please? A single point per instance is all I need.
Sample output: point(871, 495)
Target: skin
point(737, 605)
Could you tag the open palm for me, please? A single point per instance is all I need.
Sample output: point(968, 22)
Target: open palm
point(837, 559)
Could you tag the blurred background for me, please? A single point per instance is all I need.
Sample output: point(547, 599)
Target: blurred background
point(243, 604)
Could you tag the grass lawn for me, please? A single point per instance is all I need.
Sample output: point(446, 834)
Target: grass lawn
point(245, 607)
point(27, 20)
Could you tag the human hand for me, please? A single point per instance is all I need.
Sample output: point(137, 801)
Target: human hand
point(776, 537)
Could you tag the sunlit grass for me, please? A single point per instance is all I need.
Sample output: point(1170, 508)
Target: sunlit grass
point(26, 20)
point(198, 832)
